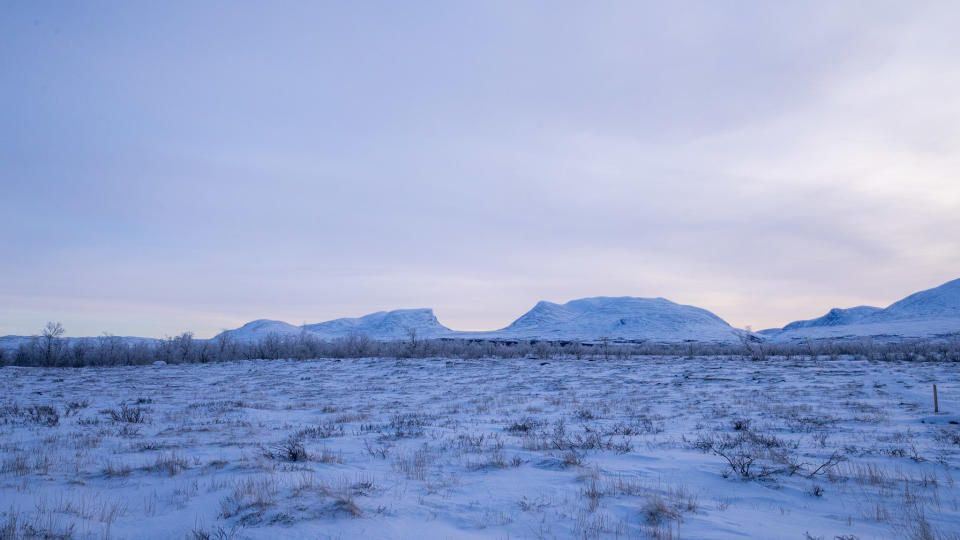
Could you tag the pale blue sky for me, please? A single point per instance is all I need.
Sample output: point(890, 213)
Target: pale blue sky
point(171, 166)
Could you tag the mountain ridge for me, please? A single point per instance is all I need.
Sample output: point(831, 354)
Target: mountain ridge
point(594, 318)
point(928, 313)
point(933, 312)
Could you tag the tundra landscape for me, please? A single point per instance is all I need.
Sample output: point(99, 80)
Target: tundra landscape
point(548, 446)
point(479, 269)
point(258, 433)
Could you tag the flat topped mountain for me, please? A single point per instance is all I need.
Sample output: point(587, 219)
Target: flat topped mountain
point(620, 318)
point(928, 313)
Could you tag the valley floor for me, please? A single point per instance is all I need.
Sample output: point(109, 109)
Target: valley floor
point(439, 448)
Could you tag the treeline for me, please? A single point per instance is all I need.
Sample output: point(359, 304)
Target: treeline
point(52, 350)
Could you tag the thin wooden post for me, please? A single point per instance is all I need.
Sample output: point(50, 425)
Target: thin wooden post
point(936, 405)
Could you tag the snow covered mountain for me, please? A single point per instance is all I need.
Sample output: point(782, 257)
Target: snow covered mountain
point(837, 317)
point(941, 302)
point(588, 319)
point(14, 342)
point(621, 318)
point(930, 313)
point(259, 329)
point(383, 325)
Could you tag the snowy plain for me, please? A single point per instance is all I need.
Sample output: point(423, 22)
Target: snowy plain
point(642, 447)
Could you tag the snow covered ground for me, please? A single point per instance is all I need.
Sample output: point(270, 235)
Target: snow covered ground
point(436, 448)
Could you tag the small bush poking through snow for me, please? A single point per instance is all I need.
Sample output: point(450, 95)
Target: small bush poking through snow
point(130, 415)
point(291, 449)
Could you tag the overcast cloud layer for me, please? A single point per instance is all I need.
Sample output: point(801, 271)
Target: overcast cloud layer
point(190, 166)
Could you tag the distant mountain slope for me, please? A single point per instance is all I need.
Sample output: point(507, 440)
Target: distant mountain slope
point(837, 317)
point(941, 302)
point(619, 318)
point(930, 313)
point(259, 329)
point(384, 325)
point(14, 342)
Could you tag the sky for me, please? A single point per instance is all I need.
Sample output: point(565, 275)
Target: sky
point(190, 166)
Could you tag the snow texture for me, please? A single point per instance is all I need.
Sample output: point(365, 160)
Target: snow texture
point(488, 448)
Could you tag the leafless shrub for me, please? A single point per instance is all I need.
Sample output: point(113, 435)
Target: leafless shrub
point(525, 425)
point(656, 510)
point(584, 413)
point(734, 449)
point(751, 454)
point(320, 431)
point(572, 458)
point(363, 486)
point(407, 425)
point(41, 415)
point(129, 431)
point(18, 464)
point(130, 415)
point(381, 452)
point(74, 406)
point(827, 465)
point(199, 533)
point(291, 449)
point(44, 524)
point(217, 406)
